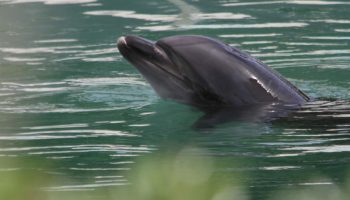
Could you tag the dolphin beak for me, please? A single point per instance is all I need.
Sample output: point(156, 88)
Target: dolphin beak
point(121, 41)
point(147, 56)
point(137, 44)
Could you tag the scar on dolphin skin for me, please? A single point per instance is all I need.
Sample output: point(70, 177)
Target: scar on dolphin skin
point(205, 72)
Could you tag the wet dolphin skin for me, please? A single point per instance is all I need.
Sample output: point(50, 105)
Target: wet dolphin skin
point(203, 71)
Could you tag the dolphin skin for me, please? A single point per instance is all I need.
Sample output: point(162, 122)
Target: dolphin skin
point(204, 72)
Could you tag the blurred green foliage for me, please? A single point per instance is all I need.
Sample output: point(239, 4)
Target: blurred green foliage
point(184, 176)
point(187, 175)
point(21, 180)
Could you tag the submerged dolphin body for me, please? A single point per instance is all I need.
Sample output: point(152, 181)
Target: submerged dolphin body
point(205, 72)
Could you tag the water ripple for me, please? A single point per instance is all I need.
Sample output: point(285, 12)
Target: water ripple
point(87, 53)
point(77, 149)
point(105, 81)
point(84, 187)
point(332, 21)
point(343, 30)
point(223, 26)
point(326, 37)
point(250, 35)
point(22, 59)
point(16, 96)
point(166, 18)
point(133, 15)
point(49, 2)
point(63, 126)
point(220, 15)
point(313, 2)
point(55, 41)
point(64, 134)
point(312, 44)
point(322, 149)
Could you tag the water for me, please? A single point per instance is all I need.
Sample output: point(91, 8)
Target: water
point(69, 98)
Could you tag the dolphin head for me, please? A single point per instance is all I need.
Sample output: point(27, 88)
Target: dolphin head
point(202, 71)
point(153, 63)
point(165, 67)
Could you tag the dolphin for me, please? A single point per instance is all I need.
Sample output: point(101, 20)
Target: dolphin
point(205, 72)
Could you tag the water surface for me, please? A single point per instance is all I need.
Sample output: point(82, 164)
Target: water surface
point(69, 98)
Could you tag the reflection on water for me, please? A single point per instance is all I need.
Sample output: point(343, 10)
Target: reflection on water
point(75, 92)
point(223, 26)
point(313, 2)
point(133, 15)
point(49, 2)
point(105, 53)
point(68, 97)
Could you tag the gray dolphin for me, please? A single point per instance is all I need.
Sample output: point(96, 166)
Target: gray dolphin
point(205, 72)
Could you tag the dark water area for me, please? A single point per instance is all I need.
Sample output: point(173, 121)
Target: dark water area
point(68, 98)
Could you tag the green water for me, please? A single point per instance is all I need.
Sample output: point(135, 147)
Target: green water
point(68, 98)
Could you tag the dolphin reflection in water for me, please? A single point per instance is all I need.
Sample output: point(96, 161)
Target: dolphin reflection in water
point(219, 79)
